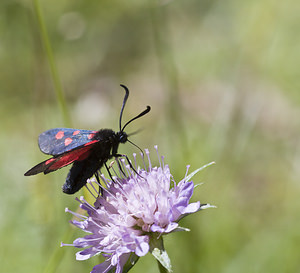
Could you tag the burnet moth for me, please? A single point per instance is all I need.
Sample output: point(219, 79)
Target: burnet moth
point(87, 150)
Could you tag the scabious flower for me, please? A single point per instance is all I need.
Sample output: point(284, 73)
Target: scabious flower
point(135, 209)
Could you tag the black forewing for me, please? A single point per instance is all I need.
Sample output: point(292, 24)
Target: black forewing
point(60, 140)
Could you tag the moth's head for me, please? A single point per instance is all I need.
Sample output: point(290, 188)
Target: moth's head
point(122, 137)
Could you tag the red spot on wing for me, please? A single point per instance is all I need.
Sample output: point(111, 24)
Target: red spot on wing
point(76, 132)
point(70, 157)
point(90, 136)
point(49, 161)
point(68, 141)
point(60, 135)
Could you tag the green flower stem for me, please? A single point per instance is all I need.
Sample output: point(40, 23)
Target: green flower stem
point(55, 77)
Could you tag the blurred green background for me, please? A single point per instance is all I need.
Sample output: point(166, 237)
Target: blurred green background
point(223, 81)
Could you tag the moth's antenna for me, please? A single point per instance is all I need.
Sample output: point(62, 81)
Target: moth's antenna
point(121, 114)
point(124, 102)
point(147, 110)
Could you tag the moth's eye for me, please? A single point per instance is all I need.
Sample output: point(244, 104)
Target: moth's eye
point(123, 138)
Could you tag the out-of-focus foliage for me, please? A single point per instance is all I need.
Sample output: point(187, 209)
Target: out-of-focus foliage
point(223, 81)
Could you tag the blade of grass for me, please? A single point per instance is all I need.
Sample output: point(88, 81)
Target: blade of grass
point(58, 253)
point(54, 73)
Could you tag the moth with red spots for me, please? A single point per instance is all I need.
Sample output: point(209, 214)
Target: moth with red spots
point(87, 150)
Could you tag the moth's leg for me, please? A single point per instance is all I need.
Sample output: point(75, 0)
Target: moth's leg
point(109, 173)
point(98, 180)
point(128, 161)
point(119, 164)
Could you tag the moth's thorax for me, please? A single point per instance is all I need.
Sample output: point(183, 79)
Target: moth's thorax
point(109, 141)
point(105, 135)
point(110, 136)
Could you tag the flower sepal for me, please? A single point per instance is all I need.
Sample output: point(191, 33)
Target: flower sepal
point(189, 177)
point(181, 229)
point(158, 251)
point(206, 206)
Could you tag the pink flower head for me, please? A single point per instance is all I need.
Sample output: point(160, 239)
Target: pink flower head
point(131, 209)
